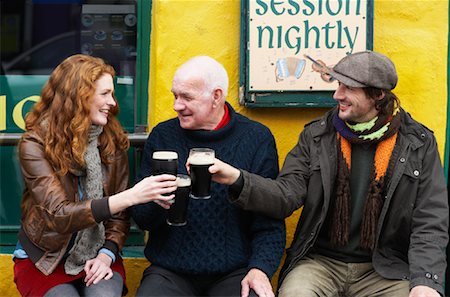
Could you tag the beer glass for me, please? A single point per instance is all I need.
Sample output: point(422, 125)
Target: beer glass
point(164, 162)
point(200, 159)
point(176, 214)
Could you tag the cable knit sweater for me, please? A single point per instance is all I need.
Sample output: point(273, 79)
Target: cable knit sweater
point(218, 237)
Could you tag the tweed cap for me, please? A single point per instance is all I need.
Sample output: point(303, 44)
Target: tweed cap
point(366, 69)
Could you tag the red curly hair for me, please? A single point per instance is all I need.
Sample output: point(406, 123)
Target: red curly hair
point(66, 99)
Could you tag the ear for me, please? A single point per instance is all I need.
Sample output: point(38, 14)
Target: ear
point(381, 95)
point(217, 97)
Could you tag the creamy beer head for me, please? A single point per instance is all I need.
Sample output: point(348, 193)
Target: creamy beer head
point(165, 155)
point(183, 181)
point(201, 158)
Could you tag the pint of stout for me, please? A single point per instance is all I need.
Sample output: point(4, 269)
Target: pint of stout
point(164, 162)
point(176, 215)
point(200, 159)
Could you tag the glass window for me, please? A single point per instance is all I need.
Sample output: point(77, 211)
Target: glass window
point(37, 35)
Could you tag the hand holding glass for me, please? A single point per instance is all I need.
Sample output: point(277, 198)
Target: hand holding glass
point(200, 159)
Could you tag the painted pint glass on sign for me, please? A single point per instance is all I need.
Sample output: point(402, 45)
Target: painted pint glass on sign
point(200, 159)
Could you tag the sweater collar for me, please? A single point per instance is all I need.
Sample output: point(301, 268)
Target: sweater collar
point(212, 135)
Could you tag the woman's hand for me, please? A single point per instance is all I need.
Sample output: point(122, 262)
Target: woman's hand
point(156, 188)
point(97, 269)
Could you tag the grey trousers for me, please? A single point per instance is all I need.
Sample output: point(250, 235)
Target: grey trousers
point(107, 288)
point(317, 275)
point(158, 281)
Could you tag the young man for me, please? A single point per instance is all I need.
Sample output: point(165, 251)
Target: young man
point(371, 183)
point(223, 250)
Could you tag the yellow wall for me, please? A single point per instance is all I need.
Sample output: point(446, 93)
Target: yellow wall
point(413, 33)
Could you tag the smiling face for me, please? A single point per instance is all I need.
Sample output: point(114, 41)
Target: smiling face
point(354, 105)
point(103, 100)
point(197, 108)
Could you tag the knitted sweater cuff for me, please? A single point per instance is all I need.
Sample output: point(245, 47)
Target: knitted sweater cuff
point(267, 269)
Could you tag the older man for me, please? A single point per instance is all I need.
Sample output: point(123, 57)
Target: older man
point(371, 183)
point(223, 250)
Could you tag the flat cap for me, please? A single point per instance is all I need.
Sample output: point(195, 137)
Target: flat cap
point(366, 69)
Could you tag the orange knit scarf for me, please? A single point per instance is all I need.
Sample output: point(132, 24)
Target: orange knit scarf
point(340, 218)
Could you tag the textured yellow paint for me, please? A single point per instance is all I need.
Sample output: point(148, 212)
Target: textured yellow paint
point(7, 285)
point(415, 35)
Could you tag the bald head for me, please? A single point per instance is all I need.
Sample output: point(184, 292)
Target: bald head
point(206, 69)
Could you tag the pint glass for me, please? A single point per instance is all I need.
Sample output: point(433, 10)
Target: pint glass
point(200, 159)
point(176, 215)
point(164, 162)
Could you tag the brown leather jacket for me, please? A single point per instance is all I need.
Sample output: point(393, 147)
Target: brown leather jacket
point(52, 210)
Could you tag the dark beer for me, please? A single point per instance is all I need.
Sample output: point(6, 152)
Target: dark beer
point(176, 215)
point(200, 160)
point(164, 162)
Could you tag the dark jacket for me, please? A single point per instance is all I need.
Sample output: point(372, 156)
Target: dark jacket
point(412, 232)
point(52, 210)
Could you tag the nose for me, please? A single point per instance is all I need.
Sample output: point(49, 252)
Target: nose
point(178, 105)
point(111, 101)
point(339, 94)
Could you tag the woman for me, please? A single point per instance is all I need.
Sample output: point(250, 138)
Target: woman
point(74, 163)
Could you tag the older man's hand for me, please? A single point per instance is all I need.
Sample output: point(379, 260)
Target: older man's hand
point(423, 291)
point(258, 282)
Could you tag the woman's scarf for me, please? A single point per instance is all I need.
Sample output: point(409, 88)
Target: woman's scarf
point(383, 131)
point(88, 241)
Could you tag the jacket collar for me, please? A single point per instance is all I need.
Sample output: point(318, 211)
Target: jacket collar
point(414, 132)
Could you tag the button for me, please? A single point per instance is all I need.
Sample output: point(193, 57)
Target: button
point(428, 275)
point(402, 160)
point(416, 172)
point(322, 123)
point(435, 277)
point(422, 135)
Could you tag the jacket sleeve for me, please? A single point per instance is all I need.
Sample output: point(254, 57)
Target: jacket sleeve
point(268, 235)
point(147, 215)
point(118, 226)
point(429, 228)
point(50, 200)
point(281, 197)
